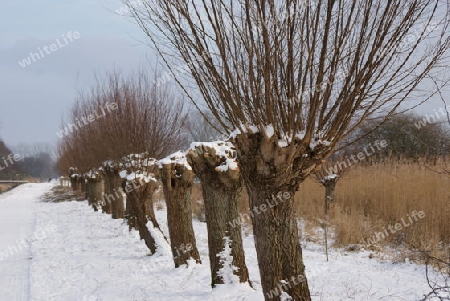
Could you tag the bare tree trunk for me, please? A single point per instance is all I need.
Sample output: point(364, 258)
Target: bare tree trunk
point(86, 188)
point(177, 185)
point(83, 185)
point(95, 192)
point(113, 193)
point(221, 209)
point(73, 178)
point(271, 184)
point(74, 182)
point(330, 186)
point(150, 210)
point(221, 193)
point(130, 214)
point(277, 242)
point(108, 196)
point(80, 183)
point(136, 199)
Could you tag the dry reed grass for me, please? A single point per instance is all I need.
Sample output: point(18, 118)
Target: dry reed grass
point(370, 198)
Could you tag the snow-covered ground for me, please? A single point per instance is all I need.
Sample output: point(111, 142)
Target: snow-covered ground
point(17, 225)
point(74, 253)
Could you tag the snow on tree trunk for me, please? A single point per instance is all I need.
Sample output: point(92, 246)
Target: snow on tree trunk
point(177, 179)
point(137, 193)
point(139, 185)
point(73, 176)
point(130, 215)
point(95, 190)
point(272, 176)
point(330, 185)
point(215, 165)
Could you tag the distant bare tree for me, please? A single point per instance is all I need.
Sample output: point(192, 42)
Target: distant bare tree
point(329, 181)
point(328, 178)
point(408, 136)
point(292, 78)
point(28, 149)
point(128, 116)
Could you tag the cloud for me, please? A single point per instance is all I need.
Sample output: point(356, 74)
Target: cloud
point(33, 98)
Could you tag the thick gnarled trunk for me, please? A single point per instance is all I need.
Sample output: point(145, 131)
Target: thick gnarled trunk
point(137, 194)
point(130, 215)
point(149, 209)
point(222, 187)
point(277, 243)
point(113, 193)
point(272, 175)
point(108, 196)
point(177, 183)
point(95, 192)
point(221, 209)
point(74, 182)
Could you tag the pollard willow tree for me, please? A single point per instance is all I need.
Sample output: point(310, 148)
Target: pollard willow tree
point(292, 78)
point(328, 180)
point(215, 164)
point(118, 116)
point(112, 184)
point(139, 183)
point(177, 180)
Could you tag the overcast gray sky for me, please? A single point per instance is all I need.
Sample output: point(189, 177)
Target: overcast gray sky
point(33, 98)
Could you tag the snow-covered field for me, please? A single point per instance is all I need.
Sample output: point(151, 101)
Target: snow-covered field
point(70, 252)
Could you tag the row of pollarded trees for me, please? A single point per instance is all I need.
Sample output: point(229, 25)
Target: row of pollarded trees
point(136, 176)
point(293, 78)
point(147, 120)
point(130, 115)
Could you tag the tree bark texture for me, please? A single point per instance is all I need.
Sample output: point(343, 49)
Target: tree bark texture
point(138, 192)
point(113, 192)
point(177, 182)
point(272, 175)
point(221, 193)
point(95, 192)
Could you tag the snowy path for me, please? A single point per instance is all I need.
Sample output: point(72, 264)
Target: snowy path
point(82, 255)
point(17, 221)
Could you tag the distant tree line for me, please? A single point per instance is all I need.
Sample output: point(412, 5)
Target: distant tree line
point(405, 136)
point(35, 161)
